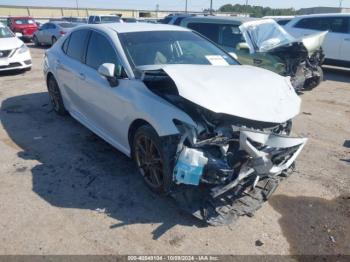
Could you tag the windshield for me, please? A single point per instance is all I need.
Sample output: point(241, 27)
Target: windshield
point(172, 47)
point(24, 21)
point(5, 32)
point(67, 25)
point(264, 35)
point(110, 19)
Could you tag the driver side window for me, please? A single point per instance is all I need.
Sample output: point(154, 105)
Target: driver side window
point(100, 51)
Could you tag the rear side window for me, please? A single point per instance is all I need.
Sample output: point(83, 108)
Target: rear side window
point(226, 35)
point(65, 45)
point(166, 20)
point(76, 45)
point(100, 51)
point(283, 21)
point(91, 19)
point(210, 31)
point(178, 20)
point(332, 24)
point(44, 27)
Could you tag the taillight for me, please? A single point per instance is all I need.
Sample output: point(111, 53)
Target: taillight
point(62, 33)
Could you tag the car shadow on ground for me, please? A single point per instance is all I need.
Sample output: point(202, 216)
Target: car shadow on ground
point(12, 73)
point(77, 169)
point(44, 47)
point(336, 74)
point(314, 226)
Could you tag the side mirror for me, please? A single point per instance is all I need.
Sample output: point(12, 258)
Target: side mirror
point(242, 46)
point(110, 72)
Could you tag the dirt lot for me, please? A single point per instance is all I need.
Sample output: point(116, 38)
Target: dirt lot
point(65, 191)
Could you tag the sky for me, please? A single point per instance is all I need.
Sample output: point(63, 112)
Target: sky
point(194, 5)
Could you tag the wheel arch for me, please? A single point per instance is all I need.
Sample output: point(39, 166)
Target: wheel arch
point(48, 76)
point(136, 124)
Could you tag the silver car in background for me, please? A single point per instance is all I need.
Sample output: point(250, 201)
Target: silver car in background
point(50, 32)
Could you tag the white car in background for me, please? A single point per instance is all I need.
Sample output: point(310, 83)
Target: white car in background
point(336, 45)
point(104, 19)
point(14, 54)
point(189, 114)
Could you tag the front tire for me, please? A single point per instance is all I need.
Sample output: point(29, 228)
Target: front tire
point(36, 41)
point(55, 96)
point(154, 157)
point(53, 40)
point(315, 81)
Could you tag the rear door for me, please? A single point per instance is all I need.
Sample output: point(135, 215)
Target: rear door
point(46, 33)
point(337, 26)
point(68, 68)
point(50, 33)
point(40, 34)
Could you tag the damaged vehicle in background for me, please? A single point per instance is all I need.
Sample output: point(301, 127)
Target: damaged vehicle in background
point(198, 125)
point(301, 59)
point(264, 43)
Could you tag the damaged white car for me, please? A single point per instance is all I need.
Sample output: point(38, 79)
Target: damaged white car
point(211, 133)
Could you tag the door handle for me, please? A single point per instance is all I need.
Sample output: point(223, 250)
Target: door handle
point(81, 76)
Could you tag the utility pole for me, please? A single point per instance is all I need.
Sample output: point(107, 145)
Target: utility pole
point(186, 7)
point(211, 7)
point(76, 1)
point(341, 3)
point(246, 7)
point(157, 10)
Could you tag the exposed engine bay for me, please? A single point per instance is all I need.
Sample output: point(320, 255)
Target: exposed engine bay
point(226, 166)
point(305, 71)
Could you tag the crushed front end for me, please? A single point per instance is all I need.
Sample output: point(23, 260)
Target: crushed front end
point(226, 171)
point(226, 165)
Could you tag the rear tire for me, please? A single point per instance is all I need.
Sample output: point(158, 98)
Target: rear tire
point(55, 96)
point(154, 156)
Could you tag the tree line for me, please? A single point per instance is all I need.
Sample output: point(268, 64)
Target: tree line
point(257, 11)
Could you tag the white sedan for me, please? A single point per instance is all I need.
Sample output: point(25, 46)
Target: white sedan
point(14, 54)
point(199, 126)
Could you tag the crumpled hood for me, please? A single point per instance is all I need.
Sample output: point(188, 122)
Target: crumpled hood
point(243, 91)
point(10, 43)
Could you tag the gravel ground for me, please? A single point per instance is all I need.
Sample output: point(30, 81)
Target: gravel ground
point(63, 190)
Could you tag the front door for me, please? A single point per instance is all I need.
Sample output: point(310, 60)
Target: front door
point(103, 105)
